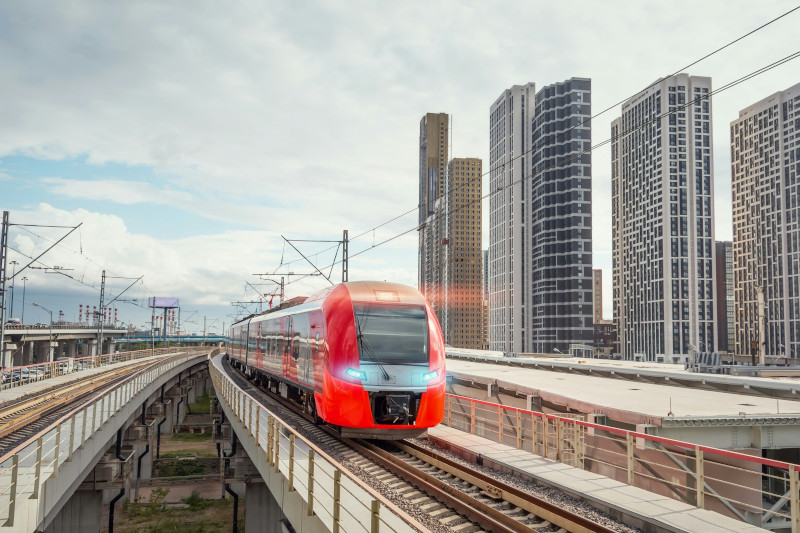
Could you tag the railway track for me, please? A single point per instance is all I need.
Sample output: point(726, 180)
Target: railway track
point(441, 493)
point(27, 417)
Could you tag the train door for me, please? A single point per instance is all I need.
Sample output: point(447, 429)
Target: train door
point(317, 341)
point(288, 361)
point(243, 342)
point(259, 353)
point(301, 350)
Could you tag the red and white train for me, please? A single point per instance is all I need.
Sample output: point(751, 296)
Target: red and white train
point(365, 356)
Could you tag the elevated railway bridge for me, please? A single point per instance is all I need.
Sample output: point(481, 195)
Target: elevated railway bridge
point(77, 437)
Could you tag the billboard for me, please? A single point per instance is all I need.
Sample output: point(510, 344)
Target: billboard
point(163, 303)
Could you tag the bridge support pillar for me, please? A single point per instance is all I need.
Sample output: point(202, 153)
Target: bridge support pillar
point(191, 394)
point(82, 512)
point(72, 348)
point(262, 512)
point(27, 353)
point(8, 357)
point(42, 354)
point(91, 347)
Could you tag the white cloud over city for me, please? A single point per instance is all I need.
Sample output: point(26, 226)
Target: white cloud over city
point(302, 118)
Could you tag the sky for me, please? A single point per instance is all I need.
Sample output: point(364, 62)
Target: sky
point(189, 138)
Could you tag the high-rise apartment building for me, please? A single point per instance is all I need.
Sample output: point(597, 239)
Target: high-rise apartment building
point(452, 247)
point(663, 221)
point(765, 171)
point(540, 253)
point(509, 120)
point(725, 316)
point(434, 135)
point(464, 278)
point(597, 295)
point(485, 302)
point(433, 153)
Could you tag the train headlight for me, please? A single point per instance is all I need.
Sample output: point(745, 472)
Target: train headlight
point(357, 374)
point(427, 376)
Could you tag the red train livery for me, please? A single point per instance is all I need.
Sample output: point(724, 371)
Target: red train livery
point(365, 356)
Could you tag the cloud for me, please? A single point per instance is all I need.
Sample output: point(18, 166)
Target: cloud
point(117, 191)
point(205, 270)
point(302, 118)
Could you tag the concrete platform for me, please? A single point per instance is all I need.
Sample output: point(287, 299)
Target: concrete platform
point(653, 400)
point(772, 383)
point(724, 420)
point(633, 506)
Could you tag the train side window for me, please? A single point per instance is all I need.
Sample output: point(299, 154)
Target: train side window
point(296, 345)
point(287, 338)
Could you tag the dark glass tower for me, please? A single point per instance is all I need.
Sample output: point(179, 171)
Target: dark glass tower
point(558, 193)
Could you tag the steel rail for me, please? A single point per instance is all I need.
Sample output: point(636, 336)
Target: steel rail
point(488, 518)
point(482, 514)
point(96, 392)
point(531, 503)
point(33, 409)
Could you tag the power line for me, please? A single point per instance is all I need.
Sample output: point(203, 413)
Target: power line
point(560, 135)
point(577, 155)
point(59, 271)
point(74, 252)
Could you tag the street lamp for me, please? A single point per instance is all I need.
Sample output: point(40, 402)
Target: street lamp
point(50, 335)
point(22, 318)
point(14, 265)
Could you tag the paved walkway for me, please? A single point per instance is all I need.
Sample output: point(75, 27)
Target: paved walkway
point(605, 493)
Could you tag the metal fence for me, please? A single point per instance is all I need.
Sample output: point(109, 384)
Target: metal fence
point(759, 491)
point(340, 500)
point(18, 376)
point(24, 470)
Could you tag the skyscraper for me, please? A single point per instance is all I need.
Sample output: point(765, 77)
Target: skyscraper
point(464, 254)
point(509, 120)
point(725, 315)
point(540, 253)
point(433, 151)
point(663, 221)
point(451, 240)
point(765, 171)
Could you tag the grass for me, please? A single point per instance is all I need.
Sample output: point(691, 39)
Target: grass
point(187, 453)
point(205, 516)
point(202, 405)
point(192, 437)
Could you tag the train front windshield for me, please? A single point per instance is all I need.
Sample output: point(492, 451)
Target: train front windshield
point(391, 334)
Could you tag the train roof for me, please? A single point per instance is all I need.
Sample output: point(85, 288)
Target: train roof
point(360, 291)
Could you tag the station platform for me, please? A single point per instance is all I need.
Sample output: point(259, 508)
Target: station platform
point(634, 506)
point(776, 382)
point(721, 419)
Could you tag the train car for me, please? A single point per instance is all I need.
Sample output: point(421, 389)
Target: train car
point(367, 357)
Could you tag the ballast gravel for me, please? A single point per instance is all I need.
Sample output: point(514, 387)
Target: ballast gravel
point(318, 437)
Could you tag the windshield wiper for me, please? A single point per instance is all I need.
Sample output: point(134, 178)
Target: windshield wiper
point(370, 352)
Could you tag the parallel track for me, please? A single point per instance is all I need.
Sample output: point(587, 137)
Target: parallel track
point(451, 496)
point(27, 417)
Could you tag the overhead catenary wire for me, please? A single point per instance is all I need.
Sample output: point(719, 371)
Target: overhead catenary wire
point(60, 245)
point(560, 135)
point(577, 155)
point(58, 271)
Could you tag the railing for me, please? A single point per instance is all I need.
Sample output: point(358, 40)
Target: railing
point(24, 471)
point(22, 375)
point(341, 501)
point(108, 328)
point(759, 491)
